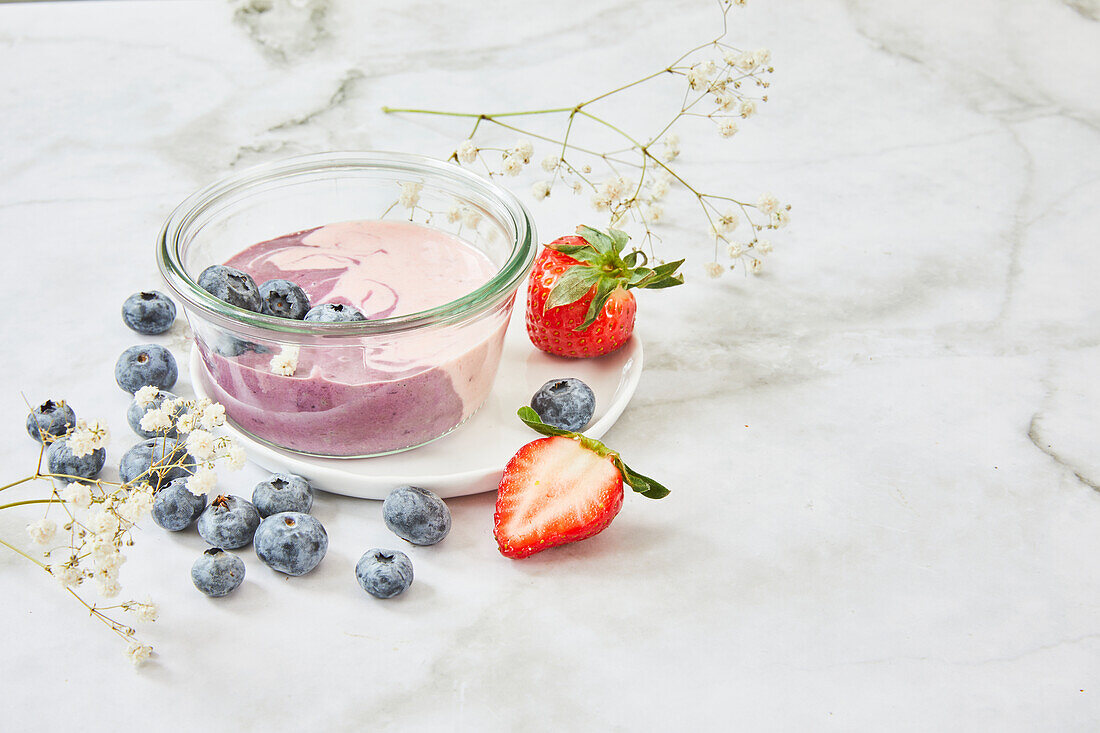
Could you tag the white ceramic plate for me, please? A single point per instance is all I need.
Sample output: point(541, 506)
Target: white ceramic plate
point(471, 459)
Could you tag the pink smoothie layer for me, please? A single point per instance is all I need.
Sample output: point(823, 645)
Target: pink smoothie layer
point(382, 393)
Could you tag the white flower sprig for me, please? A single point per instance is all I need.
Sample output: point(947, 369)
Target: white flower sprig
point(723, 84)
point(100, 515)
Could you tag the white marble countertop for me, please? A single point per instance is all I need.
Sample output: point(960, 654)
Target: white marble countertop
point(882, 452)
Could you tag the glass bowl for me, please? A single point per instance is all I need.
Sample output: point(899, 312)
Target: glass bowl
point(356, 389)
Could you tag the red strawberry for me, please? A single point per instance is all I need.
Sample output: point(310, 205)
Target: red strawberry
point(579, 302)
point(560, 489)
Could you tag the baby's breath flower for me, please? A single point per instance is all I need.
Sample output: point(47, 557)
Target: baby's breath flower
point(107, 587)
point(102, 523)
point(578, 187)
point(656, 213)
point(725, 100)
point(454, 213)
point(107, 564)
point(101, 546)
point(156, 421)
point(138, 653)
point(137, 505)
point(541, 190)
point(697, 76)
point(658, 190)
point(42, 531)
point(745, 61)
point(147, 611)
point(147, 395)
point(77, 495)
point(200, 444)
point(762, 56)
point(748, 108)
point(735, 250)
point(467, 151)
point(713, 269)
point(67, 574)
point(471, 217)
point(768, 203)
point(186, 422)
point(764, 246)
point(235, 457)
point(284, 363)
point(781, 219)
point(213, 415)
point(728, 221)
point(524, 149)
point(410, 194)
point(550, 163)
point(756, 267)
point(88, 437)
point(512, 165)
point(727, 128)
point(203, 481)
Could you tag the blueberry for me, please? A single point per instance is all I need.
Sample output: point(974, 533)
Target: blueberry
point(231, 285)
point(135, 412)
point(565, 403)
point(50, 420)
point(284, 299)
point(175, 507)
point(384, 573)
point(149, 312)
point(61, 460)
point(334, 313)
point(217, 573)
point(283, 492)
point(229, 522)
point(146, 364)
point(416, 515)
point(158, 461)
point(225, 344)
point(291, 542)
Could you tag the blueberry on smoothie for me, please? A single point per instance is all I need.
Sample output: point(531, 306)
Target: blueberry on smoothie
point(217, 573)
point(291, 542)
point(284, 299)
point(146, 364)
point(416, 515)
point(229, 522)
point(175, 508)
point(60, 459)
point(565, 403)
point(334, 313)
point(135, 412)
point(384, 573)
point(149, 312)
point(283, 492)
point(50, 420)
point(231, 285)
point(159, 461)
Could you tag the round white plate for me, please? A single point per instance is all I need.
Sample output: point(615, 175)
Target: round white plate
point(469, 460)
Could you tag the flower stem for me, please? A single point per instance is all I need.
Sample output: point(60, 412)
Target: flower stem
point(20, 481)
point(16, 550)
point(27, 501)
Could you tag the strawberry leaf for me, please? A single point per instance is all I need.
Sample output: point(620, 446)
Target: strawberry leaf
point(604, 288)
point(573, 285)
point(643, 485)
point(596, 238)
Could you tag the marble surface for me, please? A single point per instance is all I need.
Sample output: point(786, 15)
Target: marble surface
point(882, 452)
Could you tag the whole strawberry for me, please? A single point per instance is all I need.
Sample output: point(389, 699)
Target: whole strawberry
point(560, 489)
point(579, 302)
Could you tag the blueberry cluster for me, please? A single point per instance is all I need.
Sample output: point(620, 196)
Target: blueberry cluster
point(279, 298)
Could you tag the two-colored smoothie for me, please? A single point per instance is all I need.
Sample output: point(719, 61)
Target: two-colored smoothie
point(378, 393)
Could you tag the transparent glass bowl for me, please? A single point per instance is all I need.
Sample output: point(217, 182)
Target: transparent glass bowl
point(424, 373)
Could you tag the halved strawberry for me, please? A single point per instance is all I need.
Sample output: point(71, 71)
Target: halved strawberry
point(560, 489)
point(579, 302)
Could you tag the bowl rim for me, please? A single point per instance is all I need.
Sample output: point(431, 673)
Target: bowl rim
point(419, 169)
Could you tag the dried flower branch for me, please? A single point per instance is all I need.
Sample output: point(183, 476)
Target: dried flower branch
point(723, 84)
point(99, 515)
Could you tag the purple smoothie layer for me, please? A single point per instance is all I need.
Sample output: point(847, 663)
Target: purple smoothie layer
point(378, 394)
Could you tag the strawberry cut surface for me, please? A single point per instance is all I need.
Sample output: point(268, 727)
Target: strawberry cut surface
point(554, 491)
